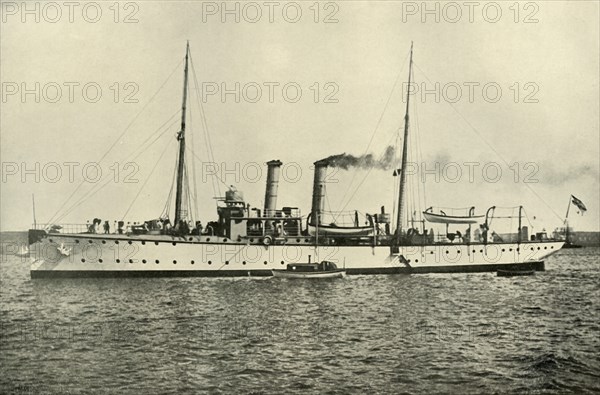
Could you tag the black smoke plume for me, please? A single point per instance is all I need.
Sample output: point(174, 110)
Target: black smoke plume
point(367, 161)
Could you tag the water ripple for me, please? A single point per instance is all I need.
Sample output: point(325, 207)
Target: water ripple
point(460, 333)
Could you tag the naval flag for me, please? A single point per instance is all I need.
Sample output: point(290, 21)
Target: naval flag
point(579, 204)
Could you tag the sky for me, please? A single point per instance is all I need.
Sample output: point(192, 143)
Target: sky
point(504, 106)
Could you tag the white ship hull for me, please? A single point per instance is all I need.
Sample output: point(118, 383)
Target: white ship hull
point(92, 255)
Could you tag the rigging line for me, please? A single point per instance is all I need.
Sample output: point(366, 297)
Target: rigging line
point(365, 176)
point(204, 124)
point(528, 220)
point(410, 179)
point(119, 138)
point(357, 188)
point(413, 193)
point(328, 204)
point(60, 215)
point(186, 201)
point(194, 165)
point(495, 151)
point(209, 153)
point(190, 198)
point(378, 122)
point(420, 151)
point(209, 140)
point(418, 154)
point(512, 213)
point(411, 202)
point(417, 186)
point(97, 187)
point(85, 197)
point(396, 182)
point(200, 159)
point(185, 208)
point(170, 196)
point(147, 178)
point(143, 108)
point(408, 189)
point(364, 179)
point(168, 123)
point(414, 152)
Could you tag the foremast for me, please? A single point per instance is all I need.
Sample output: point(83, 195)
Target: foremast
point(181, 138)
point(401, 191)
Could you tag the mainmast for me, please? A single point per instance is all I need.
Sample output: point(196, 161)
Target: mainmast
point(567, 220)
point(404, 155)
point(181, 139)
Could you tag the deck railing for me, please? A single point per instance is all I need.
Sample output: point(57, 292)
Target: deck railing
point(62, 228)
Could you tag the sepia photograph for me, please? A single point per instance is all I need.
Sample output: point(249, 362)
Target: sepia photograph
point(300, 197)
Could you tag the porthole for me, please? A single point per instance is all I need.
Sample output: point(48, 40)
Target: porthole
point(503, 250)
point(143, 261)
point(265, 262)
point(191, 238)
point(143, 243)
point(531, 248)
point(447, 252)
point(210, 262)
point(282, 262)
point(50, 240)
point(243, 263)
point(82, 260)
point(174, 243)
point(103, 241)
point(538, 248)
point(156, 243)
point(297, 240)
point(307, 240)
point(156, 261)
point(251, 240)
point(481, 251)
point(100, 260)
point(208, 239)
point(458, 251)
point(116, 241)
point(76, 241)
point(510, 249)
point(473, 251)
point(227, 262)
point(545, 248)
point(130, 242)
point(224, 240)
point(131, 261)
point(518, 249)
point(90, 241)
point(118, 261)
point(551, 247)
point(192, 262)
point(431, 252)
point(416, 261)
point(174, 262)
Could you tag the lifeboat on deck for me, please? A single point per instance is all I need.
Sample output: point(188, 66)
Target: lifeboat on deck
point(341, 230)
point(443, 218)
